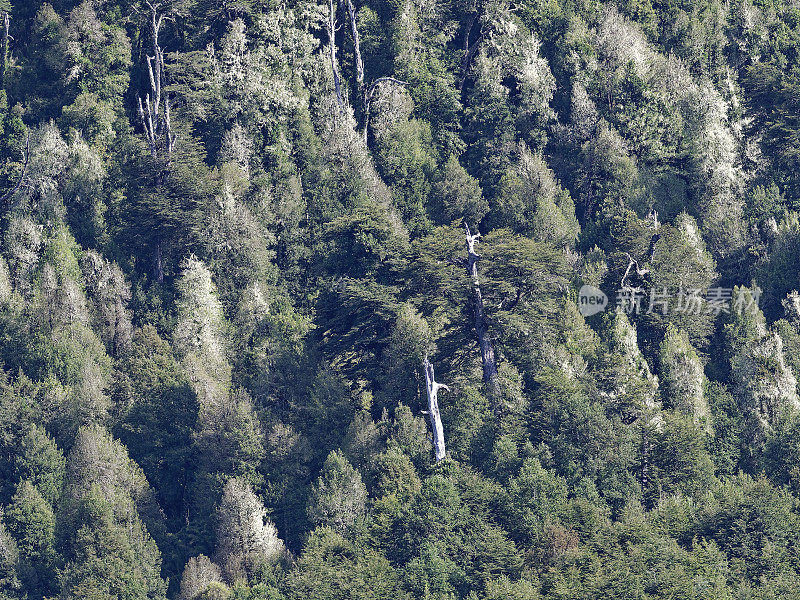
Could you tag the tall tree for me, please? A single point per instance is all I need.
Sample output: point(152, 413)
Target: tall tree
point(338, 497)
point(246, 540)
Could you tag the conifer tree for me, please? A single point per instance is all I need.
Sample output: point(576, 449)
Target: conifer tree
point(338, 497)
point(682, 379)
point(30, 519)
point(246, 540)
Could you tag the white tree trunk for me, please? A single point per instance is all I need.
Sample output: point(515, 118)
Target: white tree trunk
point(155, 119)
point(5, 49)
point(481, 328)
point(433, 388)
point(331, 29)
point(351, 10)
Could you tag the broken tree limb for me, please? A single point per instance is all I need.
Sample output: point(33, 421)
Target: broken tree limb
point(433, 388)
point(155, 118)
point(632, 262)
point(654, 224)
point(488, 359)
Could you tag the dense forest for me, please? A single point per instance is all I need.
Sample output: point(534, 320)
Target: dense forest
point(399, 299)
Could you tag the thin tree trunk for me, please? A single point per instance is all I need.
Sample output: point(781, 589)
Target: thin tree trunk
point(646, 450)
point(147, 124)
point(5, 49)
point(331, 27)
point(158, 57)
point(155, 119)
point(356, 47)
point(158, 263)
point(481, 328)
point(433, 388)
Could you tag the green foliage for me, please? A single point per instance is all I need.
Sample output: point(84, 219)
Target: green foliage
point(104, 562)
point(456, 196)
point(224, 330)
point(338, 496)
point(41, 81)
point(531, 202)
point(10, 585)
point(246, 541)
point(743, 505)
point(157, 412)
point(31, 521)
point(332, 567)
point(537, 498)
point(681, 463)
point(682, 377)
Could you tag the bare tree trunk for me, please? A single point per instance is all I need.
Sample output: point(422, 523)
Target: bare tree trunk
point(331, 27)
point(481, 328)
point(156, 120)
point(154, 114)
point(158, 57)
point(147, 123)
point(158, 263)
point(646, 450)
point(366, 93)
point(433, 388)
point(356, 47)
point(5, 49)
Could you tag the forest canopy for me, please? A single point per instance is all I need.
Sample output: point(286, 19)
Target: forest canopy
point(402, 300)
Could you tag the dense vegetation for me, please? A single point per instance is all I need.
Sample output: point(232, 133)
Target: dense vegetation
point(233, 249)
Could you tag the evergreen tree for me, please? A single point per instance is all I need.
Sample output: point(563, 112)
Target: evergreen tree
point(338, 497)
point(30, 519)
point(198, 575)
point(246, 540)
point(682, 378)
point(10, 585)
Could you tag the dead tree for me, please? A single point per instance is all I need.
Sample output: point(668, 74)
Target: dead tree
point(154, 114)
point(365, 92)
point(641, 271)
point(488, 359)
point(331, 28)
point(5, 49)
point(433, 388)
point(155, 119)
point(359, 63)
